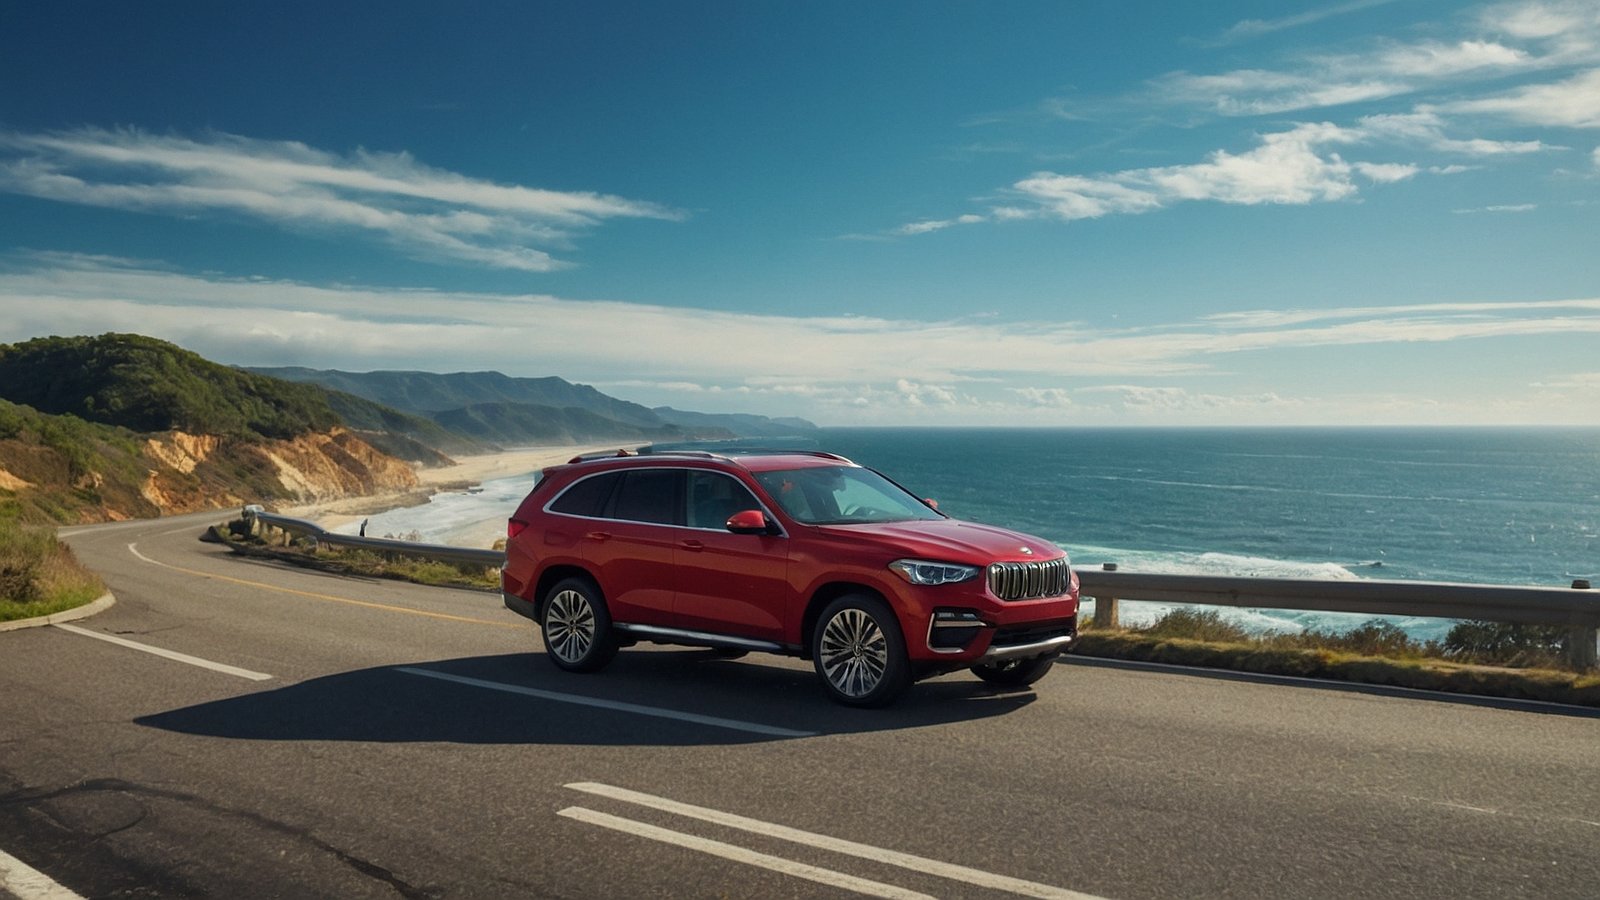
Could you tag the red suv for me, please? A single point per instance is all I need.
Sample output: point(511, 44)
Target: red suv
point(800, 553)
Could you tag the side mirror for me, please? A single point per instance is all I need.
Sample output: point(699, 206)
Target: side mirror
point(750, 521)
point(932, 503)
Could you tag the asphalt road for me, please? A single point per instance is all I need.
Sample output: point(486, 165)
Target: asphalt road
point(377, 739)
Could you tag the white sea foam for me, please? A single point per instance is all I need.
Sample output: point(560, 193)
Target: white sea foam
point(458, 518)
point(1260, 621)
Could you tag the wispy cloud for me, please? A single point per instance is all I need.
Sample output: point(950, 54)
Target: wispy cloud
point(1573, 103)
point(425, 212)
point(1498, 208)
point(1501, 40)
point(1250, 28)
point(270, 322)
point(1294, 166)
point(1316, 162)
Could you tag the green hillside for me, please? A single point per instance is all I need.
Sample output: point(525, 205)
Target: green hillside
point(429, 392)
point(88, 431)
point(511, 424)
point(81, 466)
point(146, 385)
point(407, 436)
point(450, 400)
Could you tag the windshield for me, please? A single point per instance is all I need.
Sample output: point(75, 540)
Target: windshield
point(841, 495)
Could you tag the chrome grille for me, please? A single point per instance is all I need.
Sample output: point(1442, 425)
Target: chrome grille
point(1029, 580)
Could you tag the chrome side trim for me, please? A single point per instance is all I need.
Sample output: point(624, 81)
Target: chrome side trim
point(698, 638)
point(1022, 651)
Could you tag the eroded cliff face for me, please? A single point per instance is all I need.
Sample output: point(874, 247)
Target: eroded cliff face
point(189, 473)
point(338, 464)
point(148, 475)
point(182, 451)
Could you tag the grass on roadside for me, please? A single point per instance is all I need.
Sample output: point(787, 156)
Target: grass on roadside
point(349, 561)
point(1520, 662)
point(39, 575)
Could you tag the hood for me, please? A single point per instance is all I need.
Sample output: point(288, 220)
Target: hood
point(950, 540)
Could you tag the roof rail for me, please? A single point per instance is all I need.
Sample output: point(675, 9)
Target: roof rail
point(735, 445)
point(598, 454)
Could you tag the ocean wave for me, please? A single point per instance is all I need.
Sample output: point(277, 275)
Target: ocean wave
point(1210, 563)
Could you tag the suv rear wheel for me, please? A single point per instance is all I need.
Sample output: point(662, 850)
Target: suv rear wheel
point(859, 652)
point(576, 626)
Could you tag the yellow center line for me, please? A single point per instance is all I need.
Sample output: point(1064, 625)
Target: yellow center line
point(330, 598)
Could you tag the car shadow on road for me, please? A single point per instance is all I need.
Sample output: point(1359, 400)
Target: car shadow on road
point(522, 699)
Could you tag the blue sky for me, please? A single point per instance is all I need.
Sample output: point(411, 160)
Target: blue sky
point(1358, 212)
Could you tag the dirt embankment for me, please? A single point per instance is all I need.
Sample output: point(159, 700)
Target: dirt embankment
point(174, 472)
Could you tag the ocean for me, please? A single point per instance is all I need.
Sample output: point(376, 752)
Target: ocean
point(1496, 506)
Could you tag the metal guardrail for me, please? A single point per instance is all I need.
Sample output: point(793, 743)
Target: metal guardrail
point(440, 552)
point(1575, 608)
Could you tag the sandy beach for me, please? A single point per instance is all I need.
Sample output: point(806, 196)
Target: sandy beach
point(468, 471)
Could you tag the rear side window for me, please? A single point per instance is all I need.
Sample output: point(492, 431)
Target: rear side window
point(650, 495)
point(587, 497)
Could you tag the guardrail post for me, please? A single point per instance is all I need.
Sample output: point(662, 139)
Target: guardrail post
point(1105, 612)
point(1581, 652)
point(1105, 608)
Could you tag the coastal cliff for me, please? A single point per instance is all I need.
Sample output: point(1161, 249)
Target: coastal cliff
point(103, 475)
point(195, 472)
point(124, 426)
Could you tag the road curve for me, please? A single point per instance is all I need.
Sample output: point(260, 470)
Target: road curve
point(304, 735)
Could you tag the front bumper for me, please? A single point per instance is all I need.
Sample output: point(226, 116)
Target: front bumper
point(1027, 651)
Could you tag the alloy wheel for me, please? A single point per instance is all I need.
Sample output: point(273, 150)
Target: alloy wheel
point(854, 652)
point(570, 626)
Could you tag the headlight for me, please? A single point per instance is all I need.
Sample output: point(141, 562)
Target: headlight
point(920, 571)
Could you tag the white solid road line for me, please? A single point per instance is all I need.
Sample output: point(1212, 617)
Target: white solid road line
point(166, 654)
point(636, 709)
point(951, 871)
point(740, 854)
point(27, 883)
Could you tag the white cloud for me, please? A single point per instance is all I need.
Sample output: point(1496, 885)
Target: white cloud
point(427, 213)
point(1052, 398)
point(930, 225)
point(1574, 103)
point(1426, 128)
point(1499, 208)
point(1586, 382)
point(1286, 167)
point(1163, 401)
point(1250, 28)
point(935, 371)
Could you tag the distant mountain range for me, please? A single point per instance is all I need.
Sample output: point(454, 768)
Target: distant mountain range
point(120, 425)
point(501, 410)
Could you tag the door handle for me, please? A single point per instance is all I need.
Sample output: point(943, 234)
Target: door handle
point(598, 536)
point(692, 544)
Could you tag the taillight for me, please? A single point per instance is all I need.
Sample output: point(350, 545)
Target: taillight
point(515, 527)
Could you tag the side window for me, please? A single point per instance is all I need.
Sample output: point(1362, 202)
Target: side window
point(650, 495)
point(713, 497)
point(587, 497)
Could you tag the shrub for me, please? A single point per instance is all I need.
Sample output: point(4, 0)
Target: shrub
point(1503, 643)
point(38, 574)
point(1199, 625)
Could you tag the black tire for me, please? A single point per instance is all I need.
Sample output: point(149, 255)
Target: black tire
point(859, 652)
point(576, 626)
point(1015, 672)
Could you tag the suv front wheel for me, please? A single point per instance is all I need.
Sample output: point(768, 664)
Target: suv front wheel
point(576, 626)
point(859, 652)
